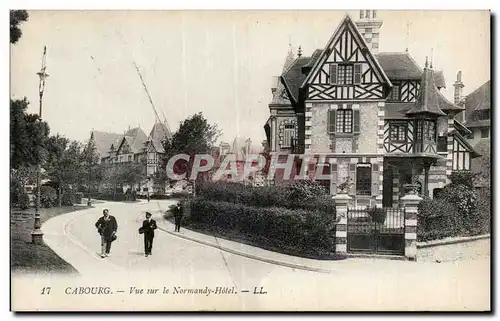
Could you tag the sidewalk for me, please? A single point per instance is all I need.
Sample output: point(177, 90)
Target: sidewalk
point(252, 252)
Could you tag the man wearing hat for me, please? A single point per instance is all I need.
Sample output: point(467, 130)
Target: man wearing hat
point(106, 227)
point(148, 229)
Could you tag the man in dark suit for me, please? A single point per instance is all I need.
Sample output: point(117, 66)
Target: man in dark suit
point(106, 227)
point(148, 229)
point(178, 217)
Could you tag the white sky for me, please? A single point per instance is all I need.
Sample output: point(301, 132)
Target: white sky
point(220, 63)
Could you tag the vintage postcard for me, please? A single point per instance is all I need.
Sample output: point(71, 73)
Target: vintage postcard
point(250, 160)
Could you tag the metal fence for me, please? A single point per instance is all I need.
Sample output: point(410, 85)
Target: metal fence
point(375, 230)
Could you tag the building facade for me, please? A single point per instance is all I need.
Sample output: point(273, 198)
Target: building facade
point(476, 117)
point(376, 120)
point(134, 146)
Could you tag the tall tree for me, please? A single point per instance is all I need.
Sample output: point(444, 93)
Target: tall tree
point(64, 164)
point(90, 158)
point(28, 135)
point(194, 136)
point(132, 173)
point(16, 18)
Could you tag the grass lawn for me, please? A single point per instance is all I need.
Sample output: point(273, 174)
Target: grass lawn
point(30, 258)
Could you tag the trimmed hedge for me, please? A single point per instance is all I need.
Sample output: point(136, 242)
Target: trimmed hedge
point(458, 211)
point(48, 196)
point(482, 224)
point(437, 219)
point(311, 232)
point(307, 195)
point(110, 197)
point(68, 199)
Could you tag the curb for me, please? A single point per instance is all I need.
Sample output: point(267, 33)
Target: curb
point(377, 256)
point(423, 245)
point(253, 257)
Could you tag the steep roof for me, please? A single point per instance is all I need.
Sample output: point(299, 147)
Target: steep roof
point(139, 141)
point(103, 141)
point(429, 97)
point(294, 77)
point(465, 142)
point(483, 147)
point(399, 65)
point(158, 134)
point(397, 110)
point(280, 96)
point(479, 99)
point(136, 139)
point(461, 128)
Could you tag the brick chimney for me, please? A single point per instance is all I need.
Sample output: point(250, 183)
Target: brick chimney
point(369, 26)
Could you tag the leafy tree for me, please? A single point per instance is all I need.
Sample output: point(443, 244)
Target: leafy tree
point(132, 173)
point(28, 135)
point(194, 136)
point(64, 163)
point(90, 157)
point(16, 18)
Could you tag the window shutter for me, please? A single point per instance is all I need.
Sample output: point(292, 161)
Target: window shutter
point(356, 121)
point(357, 74)
point(331, 121)
point(333, 74)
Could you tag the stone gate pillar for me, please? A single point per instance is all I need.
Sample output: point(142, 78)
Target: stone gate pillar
point(341, 203)
point(410, 204)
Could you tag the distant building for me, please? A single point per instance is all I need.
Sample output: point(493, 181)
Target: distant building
point(238, 151)
point(476, 117)
point(134, 146)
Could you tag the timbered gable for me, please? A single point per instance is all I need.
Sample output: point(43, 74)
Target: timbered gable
point(462, 153)
point(124, 147)
point(150, 148)
point(409, 91)
point(346, 69)
point(398, 136)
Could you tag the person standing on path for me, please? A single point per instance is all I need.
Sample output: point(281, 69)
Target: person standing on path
point(148, 229)
point(106, 227)
point(178, 217)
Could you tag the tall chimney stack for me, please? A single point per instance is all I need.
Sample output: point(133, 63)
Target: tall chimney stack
point(457, 97)
point(369, 26)
point(459, 85)
point(248, 144)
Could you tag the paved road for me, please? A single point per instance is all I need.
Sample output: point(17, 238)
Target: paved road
point(354, 284)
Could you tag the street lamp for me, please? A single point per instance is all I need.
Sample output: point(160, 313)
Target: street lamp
point(37, 234)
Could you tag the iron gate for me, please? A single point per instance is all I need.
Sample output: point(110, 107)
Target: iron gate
point(380, 231)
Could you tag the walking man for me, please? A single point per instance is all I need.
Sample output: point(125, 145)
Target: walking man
point(148, 229)
point(106, 227)
point(178, 217)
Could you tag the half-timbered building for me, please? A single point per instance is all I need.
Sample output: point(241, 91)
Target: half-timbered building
point(379, 120)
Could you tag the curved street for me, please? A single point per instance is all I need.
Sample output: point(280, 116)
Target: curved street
point(352, 284)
